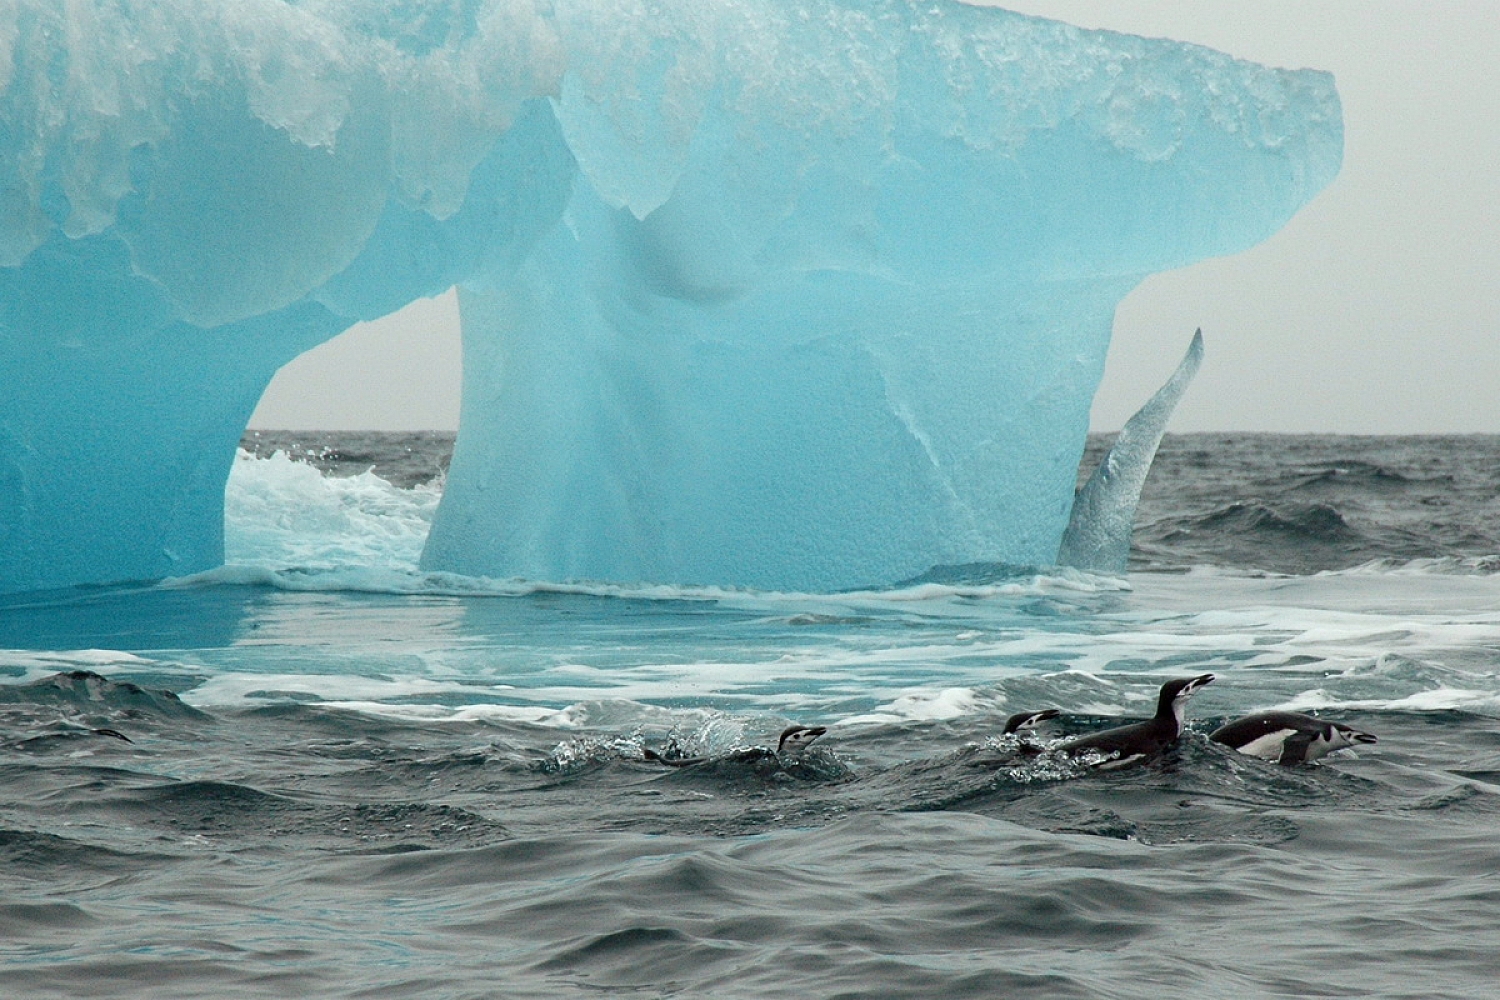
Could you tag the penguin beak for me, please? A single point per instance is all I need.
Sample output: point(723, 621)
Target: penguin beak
point(1364, 738)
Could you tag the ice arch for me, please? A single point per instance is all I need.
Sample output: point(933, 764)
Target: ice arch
point(789, 294)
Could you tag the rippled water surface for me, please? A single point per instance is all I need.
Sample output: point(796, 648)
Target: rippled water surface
point(320, 772)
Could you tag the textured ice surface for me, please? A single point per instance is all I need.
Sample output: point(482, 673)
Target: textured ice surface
point(785, 294)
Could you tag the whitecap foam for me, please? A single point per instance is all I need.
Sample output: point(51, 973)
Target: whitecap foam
point(489, 712)
point(924, 705)
point(232, 688)
point(281, 513)
point(1486, 565)
point(37, 664)
point(1444, 699)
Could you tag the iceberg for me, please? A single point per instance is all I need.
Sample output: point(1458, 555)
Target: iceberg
point(797, 294)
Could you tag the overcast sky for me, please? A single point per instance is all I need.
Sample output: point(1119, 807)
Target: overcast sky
point(1376, 310)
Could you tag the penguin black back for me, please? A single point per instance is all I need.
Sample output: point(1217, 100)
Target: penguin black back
point(1140, 740)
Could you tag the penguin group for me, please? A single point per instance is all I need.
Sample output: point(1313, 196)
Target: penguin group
point(1284, 737)
point(1287, 738)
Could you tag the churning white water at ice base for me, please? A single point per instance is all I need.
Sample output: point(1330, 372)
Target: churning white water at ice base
point(339, 555)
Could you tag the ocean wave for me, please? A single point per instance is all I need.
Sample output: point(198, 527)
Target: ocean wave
point(80, 690)
point(1355, 475)
point(1315, 522)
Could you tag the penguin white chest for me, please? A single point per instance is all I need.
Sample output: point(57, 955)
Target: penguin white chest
point(1267, 746)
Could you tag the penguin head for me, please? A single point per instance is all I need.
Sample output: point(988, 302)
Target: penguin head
point(1182, 688)
point(1339, 737)
point(1175, 693)
point(795, 738)
point(1025, 721)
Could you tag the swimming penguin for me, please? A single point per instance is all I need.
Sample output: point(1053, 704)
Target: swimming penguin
point(1019, 726)
point(1287, 737)
point(793, 740)
point(1144, 739)
point(1027, 721)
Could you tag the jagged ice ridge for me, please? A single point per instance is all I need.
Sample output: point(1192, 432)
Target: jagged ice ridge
point(784, 293)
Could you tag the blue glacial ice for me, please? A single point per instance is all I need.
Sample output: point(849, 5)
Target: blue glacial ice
point(801, 294)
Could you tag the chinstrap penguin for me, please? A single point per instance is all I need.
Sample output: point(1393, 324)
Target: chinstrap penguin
point(1287, 737)
point(1136, 742)
point(793, 740)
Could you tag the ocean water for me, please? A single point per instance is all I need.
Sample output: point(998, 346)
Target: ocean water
point(321, 772)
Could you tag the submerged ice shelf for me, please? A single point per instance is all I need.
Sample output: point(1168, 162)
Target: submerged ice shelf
point(800, 294)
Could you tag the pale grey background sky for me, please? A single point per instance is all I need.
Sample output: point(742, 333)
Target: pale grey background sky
point(1376, 310)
